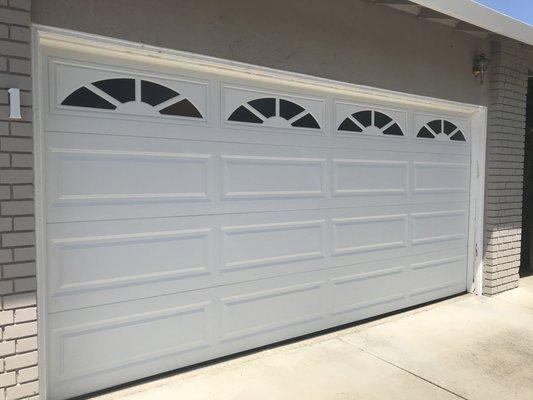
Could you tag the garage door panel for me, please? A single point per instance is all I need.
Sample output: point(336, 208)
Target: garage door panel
point(109, 177)
point(68, 76)
point(163, 131)
point(355, 177)
point(106, 345)
point(259, 177)
point(105, 261)
point(104, 266)
point(249, 246)
point(103, 176)
point(435, 177)
point(433, 273)
point(364, 290)
point(103, 342)
point(361, 234)
point(281, 307)
point(439, 226)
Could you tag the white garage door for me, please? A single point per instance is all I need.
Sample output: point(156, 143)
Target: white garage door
point(192, 213)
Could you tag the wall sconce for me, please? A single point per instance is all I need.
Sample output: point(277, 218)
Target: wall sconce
point(481, 64)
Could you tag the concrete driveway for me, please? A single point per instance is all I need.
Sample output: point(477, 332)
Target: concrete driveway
point(469, 347)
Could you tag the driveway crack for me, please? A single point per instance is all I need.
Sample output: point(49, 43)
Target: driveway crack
point(405, 370)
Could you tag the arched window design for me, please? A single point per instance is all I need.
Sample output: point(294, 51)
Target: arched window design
point(362, 120)
point(440, 128)
point(109, 94)
point(259, 110)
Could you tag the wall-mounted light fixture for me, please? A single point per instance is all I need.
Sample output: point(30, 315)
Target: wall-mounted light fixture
point(14, 103)
point(481, 64)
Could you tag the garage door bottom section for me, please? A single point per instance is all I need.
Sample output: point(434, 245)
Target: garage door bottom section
point(106, 345)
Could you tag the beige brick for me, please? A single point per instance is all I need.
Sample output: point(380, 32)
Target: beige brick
point(6, 287)
point(27, 375)
point(17, 207)
point(21, 391)
point(16, 144)
point(25, 314)
point(26, 344)
point(21, 129)
point(18, 239)
point(7, 379)
point(20, 361)
point(6, 317)
point(23, 191)
point(20, 33)
point(24, 254)
point(16, 176)
point(19, 270)
point(19, 300)
point(7, 348)
point(20, 330)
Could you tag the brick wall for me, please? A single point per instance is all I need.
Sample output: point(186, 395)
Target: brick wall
point(18, 345)
point(505, 163)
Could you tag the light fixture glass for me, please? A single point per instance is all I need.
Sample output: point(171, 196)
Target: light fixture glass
point(481, 64)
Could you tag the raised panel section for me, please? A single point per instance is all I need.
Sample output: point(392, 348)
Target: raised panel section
point(106, 345)
point(110, 176)
point(356, 292)
point(269, 244)
point(354, 235)
point(264, 311)
point(439, 226)
point(359, 177)
point(433, 177)
point(99, 262)
point(438, 273)
point(260, 177)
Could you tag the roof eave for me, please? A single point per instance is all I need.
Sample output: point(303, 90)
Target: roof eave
point(484, 17)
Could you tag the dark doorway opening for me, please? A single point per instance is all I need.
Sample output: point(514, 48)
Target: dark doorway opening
point(526, 258)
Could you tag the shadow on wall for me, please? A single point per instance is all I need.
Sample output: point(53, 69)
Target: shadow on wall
point(526, 261)
point(354, 41)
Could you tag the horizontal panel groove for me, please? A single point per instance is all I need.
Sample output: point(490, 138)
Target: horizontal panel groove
point(367, 275)
point(369, 303)
point(272, 226)
point(438, 286)
point(270, 293)
point(312, 255)
point(373, 145)
point(129, 153)
point(261, 211)
point(436, 263)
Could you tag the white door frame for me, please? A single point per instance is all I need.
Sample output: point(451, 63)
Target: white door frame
point(43, 34)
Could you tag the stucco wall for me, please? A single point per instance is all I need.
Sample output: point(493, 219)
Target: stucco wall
point(347, 40)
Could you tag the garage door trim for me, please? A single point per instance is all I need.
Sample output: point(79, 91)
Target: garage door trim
point(44, 35)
